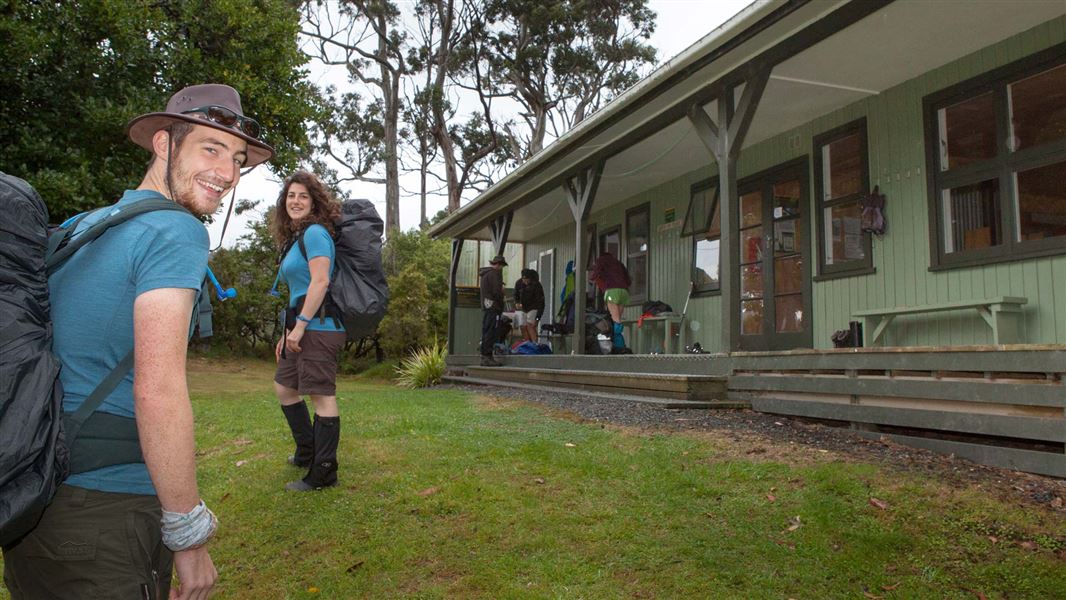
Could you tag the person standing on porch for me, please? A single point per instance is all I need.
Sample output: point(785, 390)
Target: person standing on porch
point(492, 302)
point(612, 278)
point(530, 304)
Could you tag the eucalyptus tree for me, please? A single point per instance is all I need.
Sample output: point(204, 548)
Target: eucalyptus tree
point(368, 39)
point(451, 58)
point(561, 61)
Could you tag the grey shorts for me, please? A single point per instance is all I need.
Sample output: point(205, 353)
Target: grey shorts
point(312, 370)
point(92, 544)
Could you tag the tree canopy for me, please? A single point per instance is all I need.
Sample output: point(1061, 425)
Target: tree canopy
point(75, 72)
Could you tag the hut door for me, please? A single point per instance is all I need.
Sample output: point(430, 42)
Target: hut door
point(774, 266)
point(546, 270)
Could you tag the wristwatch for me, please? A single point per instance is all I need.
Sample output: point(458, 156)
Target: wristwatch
point(303, 318)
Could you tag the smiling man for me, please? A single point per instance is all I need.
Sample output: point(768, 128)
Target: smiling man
point(124, 520)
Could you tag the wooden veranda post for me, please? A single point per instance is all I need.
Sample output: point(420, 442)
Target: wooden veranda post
point(724, 139)
point(453, 295)
point(581, 192)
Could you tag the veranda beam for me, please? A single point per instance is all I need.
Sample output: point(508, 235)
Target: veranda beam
point(500, 229)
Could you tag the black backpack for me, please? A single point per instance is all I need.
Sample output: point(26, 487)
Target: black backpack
point(358, 293)
point(42, 445)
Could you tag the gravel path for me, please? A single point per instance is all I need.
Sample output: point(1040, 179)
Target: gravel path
point(758, 433)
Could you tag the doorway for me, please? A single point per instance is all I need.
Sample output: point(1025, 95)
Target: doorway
point(608, 241)
point(546, 270)
point(773, 266)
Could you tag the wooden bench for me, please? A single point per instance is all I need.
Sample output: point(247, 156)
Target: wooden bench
point(1001, 314)
point(671, 344)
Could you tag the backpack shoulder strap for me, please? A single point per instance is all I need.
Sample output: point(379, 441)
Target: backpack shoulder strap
point(75, 420)
point(300, 242)
point(70, 241)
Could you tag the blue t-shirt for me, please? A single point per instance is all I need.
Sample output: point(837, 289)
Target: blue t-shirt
point(92, 298)
point(297, 275)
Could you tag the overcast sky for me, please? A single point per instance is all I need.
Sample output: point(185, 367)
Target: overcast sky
point(679, 24)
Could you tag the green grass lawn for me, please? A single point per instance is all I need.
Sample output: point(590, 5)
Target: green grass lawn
point(446, 494)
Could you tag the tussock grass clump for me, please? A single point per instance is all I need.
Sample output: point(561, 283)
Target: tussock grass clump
point(423, 368)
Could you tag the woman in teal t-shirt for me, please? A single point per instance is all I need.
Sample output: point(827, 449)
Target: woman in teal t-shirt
point(307, 355)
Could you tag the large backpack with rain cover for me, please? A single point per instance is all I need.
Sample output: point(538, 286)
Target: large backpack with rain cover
point(358, 293)
point(40, 444)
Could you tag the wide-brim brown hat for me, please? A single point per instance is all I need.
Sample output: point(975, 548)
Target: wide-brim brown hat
point(141, 129)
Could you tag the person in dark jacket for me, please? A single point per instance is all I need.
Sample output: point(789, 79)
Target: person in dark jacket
point(612, 278)
point(529, 304)
point(492, 301)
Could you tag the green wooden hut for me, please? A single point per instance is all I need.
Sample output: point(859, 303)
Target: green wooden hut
point(738, 184)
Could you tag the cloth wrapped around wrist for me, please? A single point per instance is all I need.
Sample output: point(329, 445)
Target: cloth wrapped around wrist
point(182, 531)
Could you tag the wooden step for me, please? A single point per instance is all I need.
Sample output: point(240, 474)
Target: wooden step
point(613, 395)
point(700, 388)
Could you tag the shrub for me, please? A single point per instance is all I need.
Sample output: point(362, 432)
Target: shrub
point(405, 326)
point(423, 368)
point(387, 369)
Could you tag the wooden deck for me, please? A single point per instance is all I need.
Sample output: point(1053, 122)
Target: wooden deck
point(1003, 405)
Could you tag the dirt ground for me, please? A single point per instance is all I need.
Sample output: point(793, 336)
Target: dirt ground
point(762, 436)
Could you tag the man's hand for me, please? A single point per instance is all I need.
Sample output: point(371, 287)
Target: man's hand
point(196, 574)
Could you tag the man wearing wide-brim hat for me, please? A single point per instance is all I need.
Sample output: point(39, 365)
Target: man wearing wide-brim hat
point(492, 303)
point(129, 294)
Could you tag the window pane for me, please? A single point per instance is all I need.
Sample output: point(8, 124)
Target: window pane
point(707, 253)
point(699, 209)
point(842, 167)
point(1042, 202)
point(1038, 108)
point(715, 228)
point(789, 313)
point(514, 254)
point(751, 317)
point(843, 228)
point(751, 281)
point(971, 216)
point(788, 237)
point(786, 199)
point(751, 209)
point(788, 275)
point(751, 245)
point(466, 275)
point(968, 132)
point(637, 232)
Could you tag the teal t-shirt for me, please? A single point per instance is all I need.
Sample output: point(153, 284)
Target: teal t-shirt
point(92, 297)
point(297, 275)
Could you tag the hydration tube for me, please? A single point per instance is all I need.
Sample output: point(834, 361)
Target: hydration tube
point(223, 294)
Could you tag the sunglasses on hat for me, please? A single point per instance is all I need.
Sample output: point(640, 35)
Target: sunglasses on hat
point(227, 118)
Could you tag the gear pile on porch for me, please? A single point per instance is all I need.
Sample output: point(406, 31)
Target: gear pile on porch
point(857, 205)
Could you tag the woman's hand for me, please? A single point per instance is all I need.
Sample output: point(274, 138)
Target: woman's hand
point(277, 350)
point(292, 341)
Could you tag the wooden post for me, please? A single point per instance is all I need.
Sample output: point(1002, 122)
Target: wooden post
point(724, 139)
point(581, 192)
point(453, 295)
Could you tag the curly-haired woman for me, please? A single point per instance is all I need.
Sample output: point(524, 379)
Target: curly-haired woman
point(307, 354)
